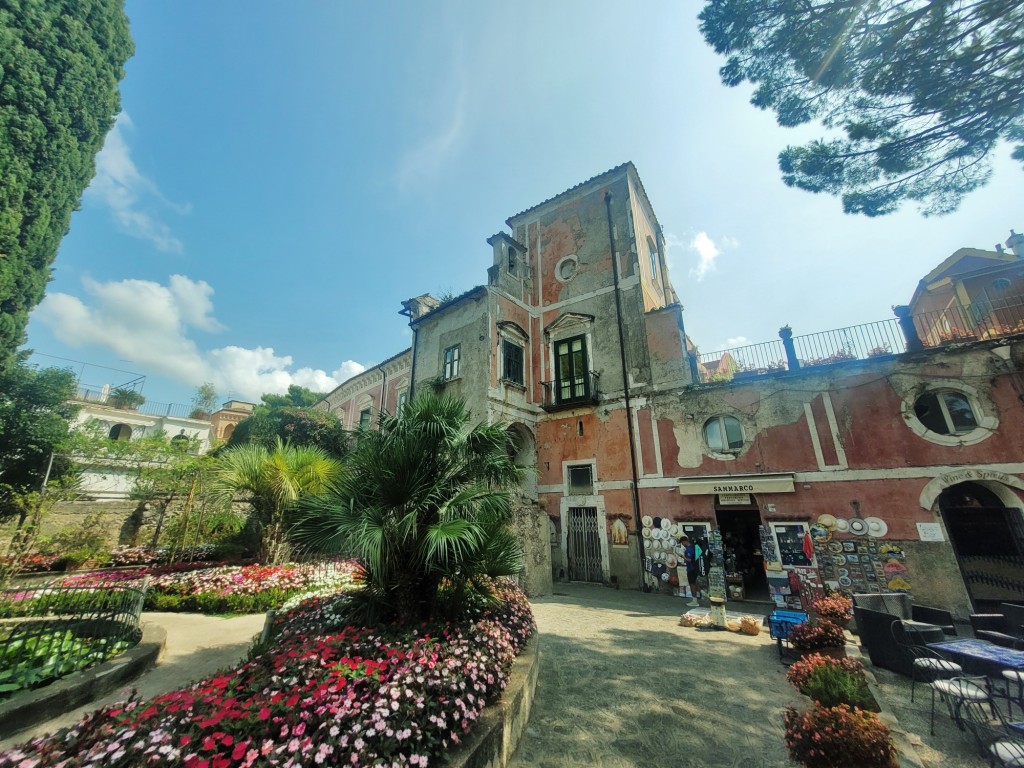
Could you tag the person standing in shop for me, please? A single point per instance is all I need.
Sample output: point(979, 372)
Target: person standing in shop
point(691, 557)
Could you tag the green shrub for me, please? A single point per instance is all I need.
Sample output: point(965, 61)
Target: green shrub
point(159, 601)
point(830, 685)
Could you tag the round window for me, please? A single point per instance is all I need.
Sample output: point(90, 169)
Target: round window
point(946, 412)
point(723, 434)
point(566, 268)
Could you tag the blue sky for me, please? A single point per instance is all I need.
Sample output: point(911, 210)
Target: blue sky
point(282, 177)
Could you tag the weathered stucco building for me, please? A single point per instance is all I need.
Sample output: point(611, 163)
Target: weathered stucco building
point(882, 457)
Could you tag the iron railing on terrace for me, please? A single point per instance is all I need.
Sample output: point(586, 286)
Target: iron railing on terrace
point(904, 333)
point(86, 394)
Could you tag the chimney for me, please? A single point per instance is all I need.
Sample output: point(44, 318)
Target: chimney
point(999, 248)
point(1015, 243)
point(416, 307)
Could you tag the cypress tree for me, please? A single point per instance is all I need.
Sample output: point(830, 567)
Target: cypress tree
point(60, 65)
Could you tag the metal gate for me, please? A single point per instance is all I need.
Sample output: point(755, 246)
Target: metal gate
point(989, 547)
point(584, 545)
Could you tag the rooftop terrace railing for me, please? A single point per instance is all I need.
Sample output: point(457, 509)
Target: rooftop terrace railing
point(87, 394)
point(904, 333)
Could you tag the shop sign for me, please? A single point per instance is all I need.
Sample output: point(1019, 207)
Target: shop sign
point(734, 498)
point(930, 532)
point(732, 484)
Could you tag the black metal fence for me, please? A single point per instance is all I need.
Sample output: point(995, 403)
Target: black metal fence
point(987, 319)
point(51, 630)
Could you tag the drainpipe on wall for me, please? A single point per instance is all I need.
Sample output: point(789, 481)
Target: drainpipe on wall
point(625, 387)
point(412, 368)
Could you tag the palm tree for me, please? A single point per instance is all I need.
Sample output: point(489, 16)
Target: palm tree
point(425, 505)
point(277, 480)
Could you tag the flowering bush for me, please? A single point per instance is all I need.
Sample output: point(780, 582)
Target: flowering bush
point(228, 588)
point(812, 637)
point(834, 608)
point(830, 681)
point(801, 670)
point(838, 737)
point(121, 556)
point(390, 695)
point(38, 562)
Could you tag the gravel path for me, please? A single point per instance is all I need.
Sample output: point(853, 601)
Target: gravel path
point(621, 684)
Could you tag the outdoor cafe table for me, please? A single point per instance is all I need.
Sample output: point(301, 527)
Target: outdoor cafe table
point(981, 655)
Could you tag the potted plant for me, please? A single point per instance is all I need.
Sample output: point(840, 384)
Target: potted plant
point(824, 637)
point(838, 737)
point(122, 397)
point(835, 608)
point(830, 681)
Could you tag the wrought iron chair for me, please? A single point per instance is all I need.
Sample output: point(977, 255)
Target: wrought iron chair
point(929, 666)
point(1012, 689)
point(1000, 742)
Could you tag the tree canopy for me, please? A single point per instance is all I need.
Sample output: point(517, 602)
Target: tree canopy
point(919, 92)
point(291, 418)
point(425, 503)
point(34, 423)
point(297, 396)
point(276, 479)
point(204, 401)
point(60, 65)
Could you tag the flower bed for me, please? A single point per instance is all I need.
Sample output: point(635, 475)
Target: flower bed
point(221, 589)
point(325, 694)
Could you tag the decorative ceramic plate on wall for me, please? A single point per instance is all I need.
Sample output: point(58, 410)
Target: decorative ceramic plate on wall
point(858, 527)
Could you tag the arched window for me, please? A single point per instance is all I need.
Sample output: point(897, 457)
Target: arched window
point(120, 432)
point(652, 255)
point(228, 430)
point(723, 434)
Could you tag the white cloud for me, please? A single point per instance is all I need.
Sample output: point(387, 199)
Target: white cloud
point(150, 324)
point(707, 252)
point(680, 252)
point(736, 341)
point(430, 155)
point(132, 197)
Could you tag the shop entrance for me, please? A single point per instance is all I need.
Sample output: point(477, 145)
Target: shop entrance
point(988, 540)
point(584, 545)
point(741, 540)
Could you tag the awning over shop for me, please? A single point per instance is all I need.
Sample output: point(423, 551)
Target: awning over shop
point(780, 482)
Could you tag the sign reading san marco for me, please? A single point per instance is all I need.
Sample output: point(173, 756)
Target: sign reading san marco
point(780, 482)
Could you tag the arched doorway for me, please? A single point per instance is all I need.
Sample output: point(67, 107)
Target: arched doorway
point(524, 454)
point(120, 432)
point(987, 537)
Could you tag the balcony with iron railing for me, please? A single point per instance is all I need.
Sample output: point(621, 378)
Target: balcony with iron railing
point(571, 392)
point(102, 396)
point(903, 333)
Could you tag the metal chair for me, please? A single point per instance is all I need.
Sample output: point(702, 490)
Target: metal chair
point(1000, 742)
point(926, 665)
point(1008, 684)
point(959, 692)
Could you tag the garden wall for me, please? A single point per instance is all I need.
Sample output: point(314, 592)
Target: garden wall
point(108, 522)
